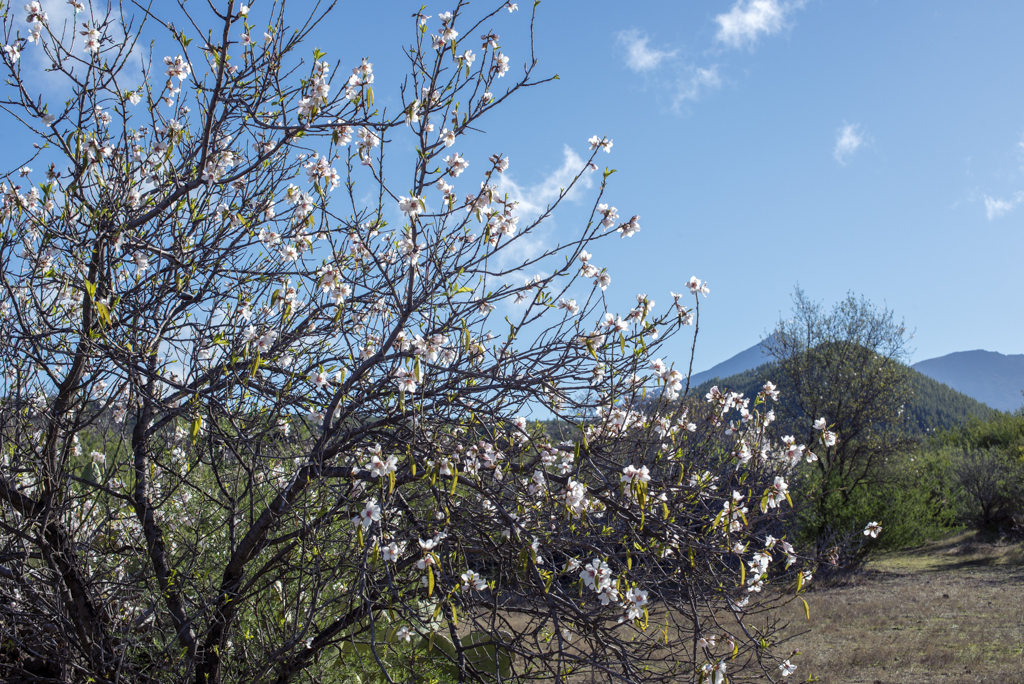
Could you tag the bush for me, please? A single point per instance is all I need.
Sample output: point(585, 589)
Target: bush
point(990, 489)
point(913, 498)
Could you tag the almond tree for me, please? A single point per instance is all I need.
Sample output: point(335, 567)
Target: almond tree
point(256, 429)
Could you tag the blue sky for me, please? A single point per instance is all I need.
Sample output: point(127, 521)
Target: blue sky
point(866, 147)
point(848, 146)
point(876, 148)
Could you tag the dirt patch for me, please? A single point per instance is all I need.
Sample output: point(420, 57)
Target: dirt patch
point(952, 611)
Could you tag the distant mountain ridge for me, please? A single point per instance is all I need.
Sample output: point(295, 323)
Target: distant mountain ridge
point(742, 362)
point(989, 377)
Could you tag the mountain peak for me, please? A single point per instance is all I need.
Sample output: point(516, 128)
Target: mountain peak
point(993, 378)
point(990, 377)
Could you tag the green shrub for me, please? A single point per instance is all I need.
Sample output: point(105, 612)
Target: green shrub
point(912, 498)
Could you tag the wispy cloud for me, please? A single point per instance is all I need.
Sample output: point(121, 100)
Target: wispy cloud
point(995, 208)
point(747, 21)
point(683, 82)
point(848, 139)
point(639, 56)
point(534, 200)
point(693, 84)
point(61, 22)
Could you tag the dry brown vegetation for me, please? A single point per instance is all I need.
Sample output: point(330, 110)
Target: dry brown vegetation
point(951, 611)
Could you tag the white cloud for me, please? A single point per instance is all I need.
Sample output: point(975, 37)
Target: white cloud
point(995, 208)
point(696, 82)
point(61, 20)
point(746, 21)
point(848, 139)
point(533, 200)
point(639, 56)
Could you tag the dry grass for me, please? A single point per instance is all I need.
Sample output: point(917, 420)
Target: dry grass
point(952, 611)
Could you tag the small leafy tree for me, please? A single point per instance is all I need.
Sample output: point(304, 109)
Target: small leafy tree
point(260, 425)
point(844, 371)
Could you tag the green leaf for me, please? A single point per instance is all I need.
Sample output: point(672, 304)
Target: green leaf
point(91, 473)
point(104, 313)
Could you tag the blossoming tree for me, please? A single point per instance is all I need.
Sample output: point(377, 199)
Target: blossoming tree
point(256, 428)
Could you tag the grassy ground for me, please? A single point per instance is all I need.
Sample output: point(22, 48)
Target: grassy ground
point(952, 611)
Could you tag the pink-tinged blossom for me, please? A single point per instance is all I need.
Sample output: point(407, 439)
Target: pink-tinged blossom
point(92, 40)
point(456, 164)
point(392, 552)
point(603, 143)
point(537, 483)
point(596, 575)
point(266, 341)
point(630, 228)
point(411, 206)
point(490, 40)
point(636, 599)
point(777, 492)
point(632, 474)
point(569, 306)
point(499, 64)
point(405, 380)
point(576, 497)
point(500, 163)
point(369, 514)
point(696, 287)
point(872, 530)
point(178, 67)
point(380, 467)
point(473, 580)
point(609, 215)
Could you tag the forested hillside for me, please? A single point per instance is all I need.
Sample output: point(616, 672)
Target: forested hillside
point(935, 405)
